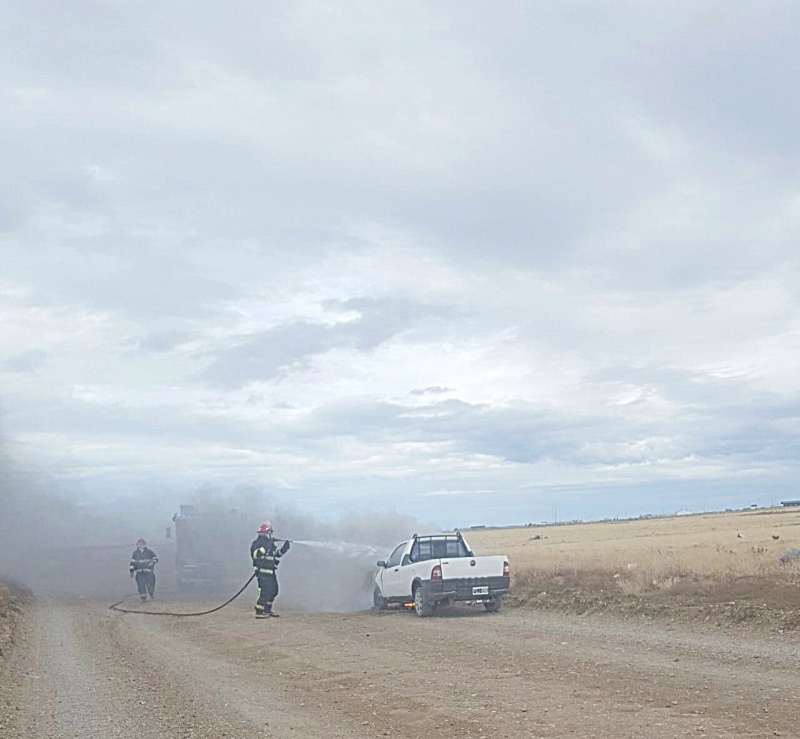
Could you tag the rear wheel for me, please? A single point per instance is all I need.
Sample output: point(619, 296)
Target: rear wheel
point(378, 600)
point(493, 605)
point(422, 605)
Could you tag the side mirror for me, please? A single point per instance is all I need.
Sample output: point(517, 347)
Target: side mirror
point(381, 563)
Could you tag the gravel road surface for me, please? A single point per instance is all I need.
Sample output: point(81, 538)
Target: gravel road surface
point(80, 670)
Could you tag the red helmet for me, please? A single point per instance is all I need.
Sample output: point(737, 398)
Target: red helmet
point(266, 528)
point(141, 543)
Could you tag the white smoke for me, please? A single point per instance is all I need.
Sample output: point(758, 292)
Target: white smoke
point(56, 545)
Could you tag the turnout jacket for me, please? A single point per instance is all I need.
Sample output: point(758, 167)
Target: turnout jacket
point(143, 560)
point(266, 555)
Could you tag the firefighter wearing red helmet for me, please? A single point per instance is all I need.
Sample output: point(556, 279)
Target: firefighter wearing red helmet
point(266, 557)
point(143, 563)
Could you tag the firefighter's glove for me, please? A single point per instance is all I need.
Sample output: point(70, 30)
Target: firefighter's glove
point(285, 547)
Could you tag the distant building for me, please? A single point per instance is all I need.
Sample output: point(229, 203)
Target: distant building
point(683, 512)
point(790, 502)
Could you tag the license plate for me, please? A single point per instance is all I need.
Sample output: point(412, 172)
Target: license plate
point(481, 591)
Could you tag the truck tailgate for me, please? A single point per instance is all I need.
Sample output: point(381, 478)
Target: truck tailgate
point(472, 567)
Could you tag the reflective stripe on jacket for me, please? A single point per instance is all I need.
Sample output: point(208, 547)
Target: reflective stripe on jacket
point(266, 556)
point(143, 560)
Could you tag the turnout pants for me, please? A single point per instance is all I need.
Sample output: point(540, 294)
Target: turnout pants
point(267, 592)
point(146, 583)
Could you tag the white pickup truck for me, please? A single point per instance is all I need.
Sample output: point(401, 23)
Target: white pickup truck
point(432, 570)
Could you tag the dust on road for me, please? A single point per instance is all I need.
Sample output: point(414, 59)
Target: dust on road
point(80, 670)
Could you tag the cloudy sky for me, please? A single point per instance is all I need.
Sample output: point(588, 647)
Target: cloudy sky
point(476, 262)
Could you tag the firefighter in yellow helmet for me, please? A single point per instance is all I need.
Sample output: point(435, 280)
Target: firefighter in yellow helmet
point(266, 557)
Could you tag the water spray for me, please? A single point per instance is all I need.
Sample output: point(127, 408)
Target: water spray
point(341, 547)
point(338, 547)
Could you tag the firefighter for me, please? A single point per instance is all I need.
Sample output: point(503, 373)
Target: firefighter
point(143, 563)
point(266, 556)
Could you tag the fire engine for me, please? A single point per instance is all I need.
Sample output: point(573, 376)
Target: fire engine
point(209, 546)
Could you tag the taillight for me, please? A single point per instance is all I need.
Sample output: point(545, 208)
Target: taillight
point(436, 573)
point(506, 570)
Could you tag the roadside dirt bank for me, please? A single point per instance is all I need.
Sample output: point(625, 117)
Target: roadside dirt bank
point(14, 598)
point(79, 669)
point(767, 603)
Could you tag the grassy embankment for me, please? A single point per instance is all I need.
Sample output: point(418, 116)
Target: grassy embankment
point(720, 568)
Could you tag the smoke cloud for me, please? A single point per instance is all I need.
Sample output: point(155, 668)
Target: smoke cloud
point(53, 544)
point(330, 565)
point(58, 546)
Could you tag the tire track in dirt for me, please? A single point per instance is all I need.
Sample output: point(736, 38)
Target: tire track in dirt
point(61, 688)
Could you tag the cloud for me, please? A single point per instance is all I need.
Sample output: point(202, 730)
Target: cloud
point(265, 355)
point(262, 357)
point(26, 362)
point(359, 250)
point(163, 341)
point(435, 390)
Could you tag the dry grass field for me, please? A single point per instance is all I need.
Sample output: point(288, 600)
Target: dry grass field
point(721, 566)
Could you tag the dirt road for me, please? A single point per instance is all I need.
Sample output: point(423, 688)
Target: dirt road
point(80, 670)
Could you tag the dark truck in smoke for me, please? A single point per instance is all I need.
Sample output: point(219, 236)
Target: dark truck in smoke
point(208, 548)
point(437, 570)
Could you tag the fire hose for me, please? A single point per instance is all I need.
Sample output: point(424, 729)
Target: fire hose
point(115, 606)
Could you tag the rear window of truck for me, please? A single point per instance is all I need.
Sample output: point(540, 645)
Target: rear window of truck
point(438, 548)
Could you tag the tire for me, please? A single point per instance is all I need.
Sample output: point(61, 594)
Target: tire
point(422, 605)
point(378, 600)
point(493, 605)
